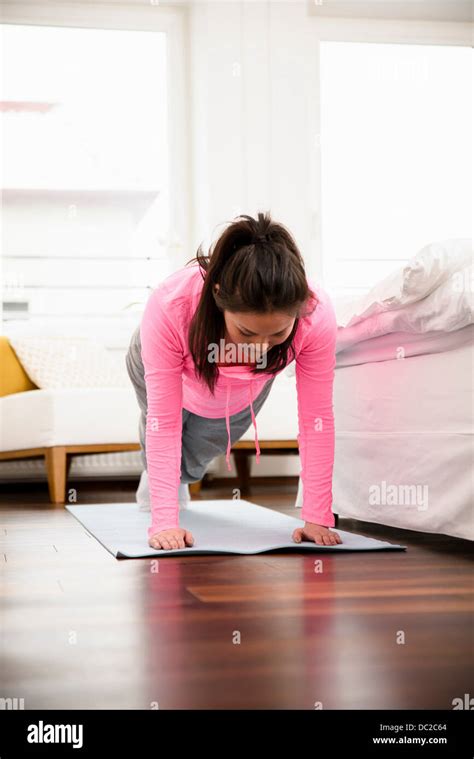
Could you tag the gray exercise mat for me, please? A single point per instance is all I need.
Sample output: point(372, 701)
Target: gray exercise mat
point(221, 526)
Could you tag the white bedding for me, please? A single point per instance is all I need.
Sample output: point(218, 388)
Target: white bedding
point(448, 308)
point(398, 345)
point(407, 423)
point(443, 269)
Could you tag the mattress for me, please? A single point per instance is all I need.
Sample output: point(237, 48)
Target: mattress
point(397, 344)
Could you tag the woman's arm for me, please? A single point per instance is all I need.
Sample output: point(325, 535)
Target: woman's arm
point(315, 365)
point(162, 356)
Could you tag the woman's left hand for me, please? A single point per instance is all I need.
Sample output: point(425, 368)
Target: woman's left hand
point(318, 533)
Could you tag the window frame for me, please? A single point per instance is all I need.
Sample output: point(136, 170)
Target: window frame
point(377, 31)
point(135, 16)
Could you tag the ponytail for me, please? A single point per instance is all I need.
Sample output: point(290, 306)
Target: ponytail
point(259, 269)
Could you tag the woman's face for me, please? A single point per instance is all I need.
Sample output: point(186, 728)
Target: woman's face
point(264, 330)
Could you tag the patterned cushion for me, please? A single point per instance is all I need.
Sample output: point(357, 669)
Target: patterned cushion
point(55, 361)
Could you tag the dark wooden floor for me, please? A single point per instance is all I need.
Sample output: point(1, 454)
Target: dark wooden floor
point(83, 630)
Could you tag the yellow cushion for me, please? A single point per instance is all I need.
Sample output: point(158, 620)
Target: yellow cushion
point(13, 378)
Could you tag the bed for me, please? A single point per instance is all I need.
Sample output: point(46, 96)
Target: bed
point(404, 443)
point(403, 398)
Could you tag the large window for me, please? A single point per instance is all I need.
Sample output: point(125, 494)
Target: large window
point(85, 174)
point(396, 154)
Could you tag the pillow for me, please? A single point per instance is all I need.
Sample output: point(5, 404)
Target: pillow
point(427, 270)
point(448, 308)
point(13, 378)
point(56, 361)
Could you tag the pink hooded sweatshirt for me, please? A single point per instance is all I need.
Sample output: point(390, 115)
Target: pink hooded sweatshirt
point(171, 384)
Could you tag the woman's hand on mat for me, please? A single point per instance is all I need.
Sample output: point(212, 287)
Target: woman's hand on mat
point(317, 532)
point(169, 539)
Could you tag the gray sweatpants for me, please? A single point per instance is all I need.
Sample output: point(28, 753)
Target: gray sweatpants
point(202, 438)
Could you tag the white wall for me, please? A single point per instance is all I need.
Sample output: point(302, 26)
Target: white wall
point(253, 80)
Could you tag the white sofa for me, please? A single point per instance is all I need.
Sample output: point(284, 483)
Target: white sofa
point(56, 424)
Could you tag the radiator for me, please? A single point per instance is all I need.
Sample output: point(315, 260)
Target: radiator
point(119, 464)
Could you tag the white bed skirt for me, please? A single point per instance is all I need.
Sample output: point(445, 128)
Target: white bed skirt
point(404, 443)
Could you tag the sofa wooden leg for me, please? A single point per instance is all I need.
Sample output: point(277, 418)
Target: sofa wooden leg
point(243, 471)
point(55, 460)
point(195, 487)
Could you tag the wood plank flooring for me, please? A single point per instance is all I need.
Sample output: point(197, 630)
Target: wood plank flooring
point(83, 630)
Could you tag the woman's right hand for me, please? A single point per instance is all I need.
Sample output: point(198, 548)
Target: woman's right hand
point(169, 539)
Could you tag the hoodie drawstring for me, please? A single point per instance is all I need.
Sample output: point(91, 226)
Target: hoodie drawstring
point(227, 422)
point(257, 447)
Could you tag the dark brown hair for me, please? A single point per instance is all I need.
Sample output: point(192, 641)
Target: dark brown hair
point(259, 269)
